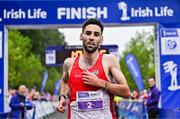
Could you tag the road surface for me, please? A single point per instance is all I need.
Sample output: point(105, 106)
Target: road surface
point(58, 115)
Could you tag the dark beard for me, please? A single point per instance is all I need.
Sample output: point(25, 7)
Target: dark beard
point(90, 50)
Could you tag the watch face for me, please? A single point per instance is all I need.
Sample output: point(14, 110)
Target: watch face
point(62, 96)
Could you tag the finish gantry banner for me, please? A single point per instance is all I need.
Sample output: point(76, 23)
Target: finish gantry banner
point(72, 13)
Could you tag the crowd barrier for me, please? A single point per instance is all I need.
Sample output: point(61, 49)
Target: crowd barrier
point(127, 109)
point(131, 109)
point(169, 113)
point(41, 109)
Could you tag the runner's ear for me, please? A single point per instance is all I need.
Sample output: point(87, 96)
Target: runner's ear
point(101, 42)
point(81, 36)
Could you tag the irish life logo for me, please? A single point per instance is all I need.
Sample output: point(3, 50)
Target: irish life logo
point(128, 13)
point(171, 68)
point(123, 6)
point(170, 41)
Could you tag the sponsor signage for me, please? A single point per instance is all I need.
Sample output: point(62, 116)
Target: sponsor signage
point(170, 67)
point(1, 69)
point(75, 12)
point(1, 44)
point(170, 41)
point(50, 56)
point(135, 70)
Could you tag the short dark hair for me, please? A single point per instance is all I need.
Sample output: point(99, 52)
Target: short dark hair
point(93, 21)
point(153, 77)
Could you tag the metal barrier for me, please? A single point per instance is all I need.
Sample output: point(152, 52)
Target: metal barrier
point(132, 109)
point(41, 110)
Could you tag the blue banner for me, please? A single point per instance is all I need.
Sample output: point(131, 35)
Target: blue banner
point(132, 109)
point(64, 12)
point(134, 70)
point(1, 69)
point(45, 78)
point(57, 87)
point(170, 66)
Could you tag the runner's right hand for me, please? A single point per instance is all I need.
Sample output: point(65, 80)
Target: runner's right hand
point(61, 105)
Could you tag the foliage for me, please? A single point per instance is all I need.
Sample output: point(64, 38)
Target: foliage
point(41, 39)
point(142, 46)
point(53, 77)
point(24, 66)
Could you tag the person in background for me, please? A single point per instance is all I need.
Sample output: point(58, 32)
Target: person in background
point(135, 95)
point(143, 94)
point(36, 96)
point(30, 94)
point(19, 103)
point(11, 93)
point(117, 100)
point(152, 99)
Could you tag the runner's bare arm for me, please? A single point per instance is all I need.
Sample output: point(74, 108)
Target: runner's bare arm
point(64, 78)
point(121, 87)
point(63, 87)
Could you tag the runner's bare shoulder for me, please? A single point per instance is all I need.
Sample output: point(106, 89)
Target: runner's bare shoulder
point(68, 62)
point(109, 58)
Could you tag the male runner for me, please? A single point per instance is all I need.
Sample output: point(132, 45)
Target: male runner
point(89, 78)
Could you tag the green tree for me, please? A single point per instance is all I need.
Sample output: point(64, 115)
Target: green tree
point(54, 75)
point(41, 39)
point(24, 66)
point(142, 46)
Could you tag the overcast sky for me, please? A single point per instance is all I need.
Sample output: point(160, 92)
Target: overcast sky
point(112, 35)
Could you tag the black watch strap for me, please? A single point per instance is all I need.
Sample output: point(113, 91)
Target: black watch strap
point(62, 96)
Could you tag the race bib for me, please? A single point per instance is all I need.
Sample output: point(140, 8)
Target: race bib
point(89, 100)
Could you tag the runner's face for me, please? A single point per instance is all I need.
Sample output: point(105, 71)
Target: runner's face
point(91, 38)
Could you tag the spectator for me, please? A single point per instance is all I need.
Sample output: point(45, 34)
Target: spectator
point(117, 100)
point(36, 96)
point(135, 95)
point(31, 93)
point(11, 92)
point(153, 98)
point(19, 104)
point(143, 95)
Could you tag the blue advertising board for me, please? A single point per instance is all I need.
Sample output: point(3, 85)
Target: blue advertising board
point(3, 69)
point(170, 67)
point(73, 12)
point(132, 109)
